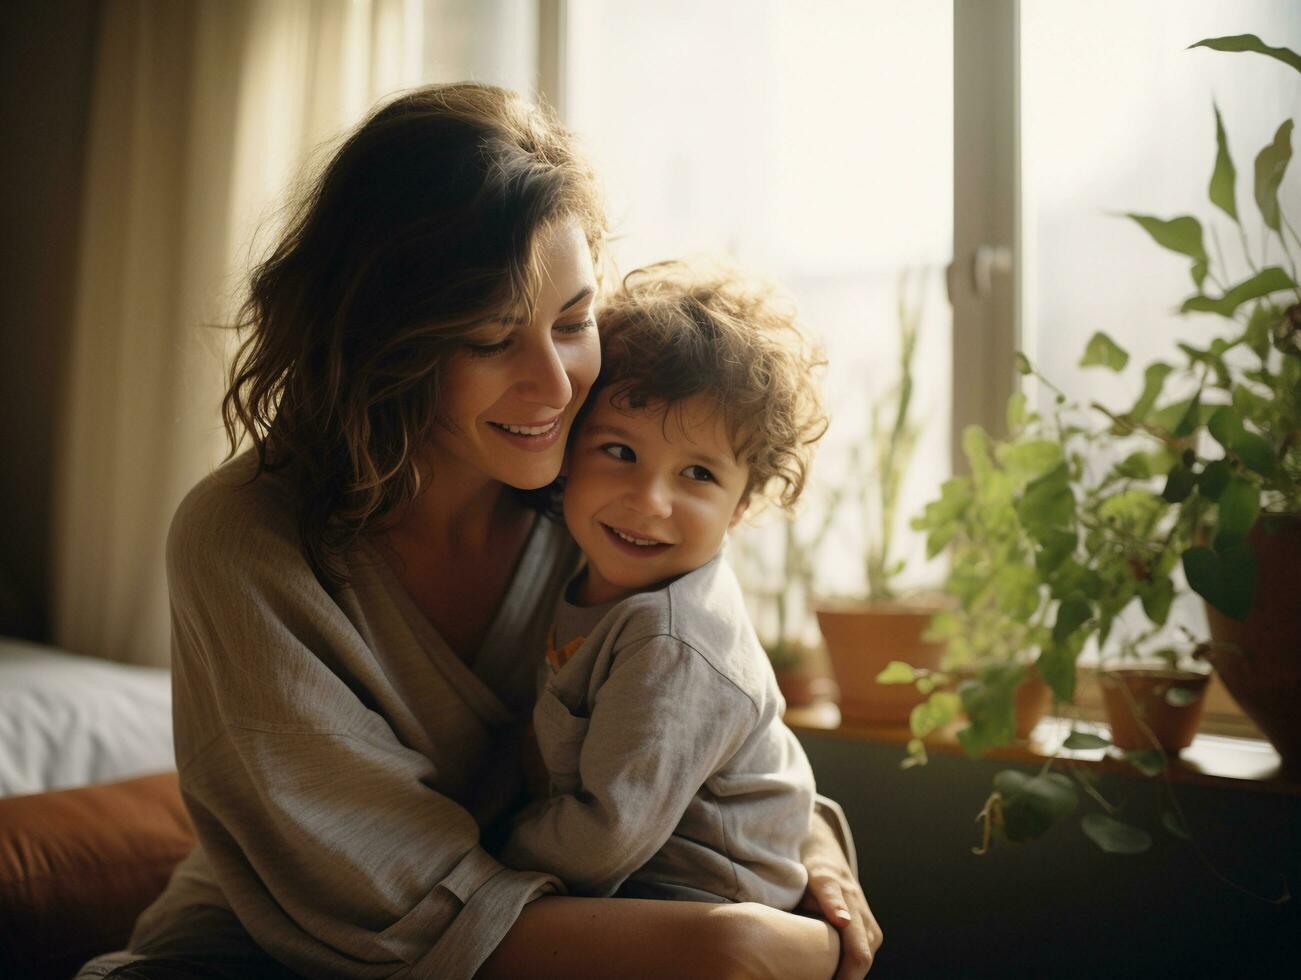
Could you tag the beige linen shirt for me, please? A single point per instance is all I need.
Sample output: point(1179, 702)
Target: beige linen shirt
point(338, 759)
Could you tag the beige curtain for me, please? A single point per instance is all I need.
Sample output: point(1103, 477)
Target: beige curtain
point(202, 114)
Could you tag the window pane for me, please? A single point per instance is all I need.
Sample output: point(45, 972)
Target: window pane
point(812, 142)
point(1117, 118)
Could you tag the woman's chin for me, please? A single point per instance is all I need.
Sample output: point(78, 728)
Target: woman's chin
point(531, 477)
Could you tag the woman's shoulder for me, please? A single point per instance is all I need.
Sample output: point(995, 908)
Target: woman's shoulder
point(235, 515)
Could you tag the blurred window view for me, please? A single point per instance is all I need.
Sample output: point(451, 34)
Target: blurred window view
point(812, 143)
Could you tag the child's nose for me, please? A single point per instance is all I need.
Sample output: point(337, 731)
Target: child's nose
point(649, 497)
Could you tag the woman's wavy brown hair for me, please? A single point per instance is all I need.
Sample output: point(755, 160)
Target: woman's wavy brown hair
point(422, 225)
point(677, 329)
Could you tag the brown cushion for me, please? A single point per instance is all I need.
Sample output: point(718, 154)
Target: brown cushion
point(77, 866)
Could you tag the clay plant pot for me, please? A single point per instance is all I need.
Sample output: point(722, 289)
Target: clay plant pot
point(1145, 691)
point(1259, 658)
point(803, 685)
point(861, 639)
point(1031, 701)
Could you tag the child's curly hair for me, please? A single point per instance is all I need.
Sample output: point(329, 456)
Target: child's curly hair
point(674, 330)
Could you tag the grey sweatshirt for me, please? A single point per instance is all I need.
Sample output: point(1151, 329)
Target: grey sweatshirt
point(672, 774)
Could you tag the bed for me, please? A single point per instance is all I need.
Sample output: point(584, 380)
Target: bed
point(91, 818)
point(68, 721)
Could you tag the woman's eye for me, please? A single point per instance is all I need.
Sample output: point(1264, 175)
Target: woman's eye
point(571, 328)
point(619, 451)
point(488, 350)
point(698, 472)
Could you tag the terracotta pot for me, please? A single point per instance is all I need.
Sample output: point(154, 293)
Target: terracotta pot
point(803, 685)
point(861, 639)
point(1126, 689)
point(1031, 702)
point(1259, 658)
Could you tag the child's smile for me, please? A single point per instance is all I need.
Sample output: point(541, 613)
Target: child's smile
point(650, 494)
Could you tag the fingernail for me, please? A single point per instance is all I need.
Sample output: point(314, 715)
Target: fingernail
point(843, 914)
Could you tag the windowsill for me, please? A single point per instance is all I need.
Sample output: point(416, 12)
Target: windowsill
point(1226, 762)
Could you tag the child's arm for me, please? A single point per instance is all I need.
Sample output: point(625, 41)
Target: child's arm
point(663, 722)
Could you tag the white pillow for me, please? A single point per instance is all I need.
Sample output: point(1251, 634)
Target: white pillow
point(70, 721)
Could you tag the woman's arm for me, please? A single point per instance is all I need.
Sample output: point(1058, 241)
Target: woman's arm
point(834, 893)
point(581, 938)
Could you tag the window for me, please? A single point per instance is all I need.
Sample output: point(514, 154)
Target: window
point(776, 133)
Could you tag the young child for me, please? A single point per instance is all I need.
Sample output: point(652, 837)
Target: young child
point(658, 718)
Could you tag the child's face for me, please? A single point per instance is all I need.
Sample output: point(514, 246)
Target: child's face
point(649, 496)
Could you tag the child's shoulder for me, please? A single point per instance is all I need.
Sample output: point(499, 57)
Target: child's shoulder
point(705, 610)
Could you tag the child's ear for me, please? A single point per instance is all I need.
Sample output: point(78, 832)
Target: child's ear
point(737, 514)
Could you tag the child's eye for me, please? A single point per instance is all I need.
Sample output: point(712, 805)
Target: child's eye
point(619, 451)
point(698, 472)
point(572, 328)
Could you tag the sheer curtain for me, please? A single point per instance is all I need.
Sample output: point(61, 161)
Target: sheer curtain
point(202, 113)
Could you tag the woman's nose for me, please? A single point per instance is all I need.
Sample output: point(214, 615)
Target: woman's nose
point(546, 380)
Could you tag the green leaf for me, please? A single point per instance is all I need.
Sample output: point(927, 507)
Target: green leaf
point(1255, 451)
point(1102, 351)
point(1047, 503)
point(988, 700)
point(1115, 837)
point(1179, 483)
point(1174, 823)
point(940, 709)
point(1214, 478)
point(1023, 364)
point(1271, 164)
point(1057, 665)
point(1271, 280)
point(1156, 596)
point(1033, 805)
point(1080, 741)
point(1259, 328)
point(1016, 590)
point(1071, 615)
point(1226, 581)
point(1191, 417)
point(1153, 379)
point(1135, 466)
point(1238, 43)
point(897, 672)
point(1015, 411)
point(1055, 548)
point(1224, 426)
point(1224, 177)
point(1182, 235)
point(1150, 762)
point(1026, 460)
point(1239, 506)
point(975, 446)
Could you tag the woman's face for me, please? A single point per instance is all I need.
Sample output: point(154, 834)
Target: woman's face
point(510, 394)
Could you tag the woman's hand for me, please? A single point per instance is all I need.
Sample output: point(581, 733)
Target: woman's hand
point(834, 893)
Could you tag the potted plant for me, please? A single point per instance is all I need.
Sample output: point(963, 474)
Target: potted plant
point(1202, 473)
point(1236, 478)
point(864, 633)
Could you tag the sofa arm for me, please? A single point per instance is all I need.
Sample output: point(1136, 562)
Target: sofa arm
point(77, 866)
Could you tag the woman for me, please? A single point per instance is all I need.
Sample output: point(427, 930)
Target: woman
point(357, 600)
